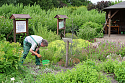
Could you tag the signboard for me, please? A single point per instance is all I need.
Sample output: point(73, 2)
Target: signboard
point(20, 26)
point(61, 24)
point(67, 39)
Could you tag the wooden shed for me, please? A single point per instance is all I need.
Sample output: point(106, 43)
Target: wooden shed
point(115, 18)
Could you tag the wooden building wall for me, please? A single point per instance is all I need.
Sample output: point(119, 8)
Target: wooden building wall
point(118, 19)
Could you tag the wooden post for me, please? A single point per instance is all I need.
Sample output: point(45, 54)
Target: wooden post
point(67, 50)
point(109, 16)
point(57, 25)
point(14, 27)
point(27, 32)
point(64, 26)
point(67, 40)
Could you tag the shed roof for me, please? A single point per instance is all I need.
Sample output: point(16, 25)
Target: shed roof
point(116, 6)
point(24, 16)
point(60, 16)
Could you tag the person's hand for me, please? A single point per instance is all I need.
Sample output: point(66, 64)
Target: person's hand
point(38, 55)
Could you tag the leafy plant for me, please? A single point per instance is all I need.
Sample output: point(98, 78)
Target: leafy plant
point(70, 35)
point(87, 33)
point(9, 58)
point(56, 50)
point(109, 65)
point(119, 72)
point(84, 72)
point(93, 25)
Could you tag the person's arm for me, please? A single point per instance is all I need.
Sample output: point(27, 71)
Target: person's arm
point(37, 48)
point(38, 55)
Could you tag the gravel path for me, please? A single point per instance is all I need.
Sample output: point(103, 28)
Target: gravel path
point(113, 38)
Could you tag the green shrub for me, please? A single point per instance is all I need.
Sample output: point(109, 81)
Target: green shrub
point(45, 33)
point(100, 35)
point(119, 72)
point(83, 72)
point(57, 49)
point(109, 65)
point(9, 57)
point(87, 33)
point(69, 35)
point(93, 25)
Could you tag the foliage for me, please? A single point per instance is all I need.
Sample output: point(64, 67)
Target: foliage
point(9, 58)
point(57, 49)
point(79, 2)
point(2, 37)
point(99, 35)
point(91, 6)
point(100, 51)
point(116, 2)
point(42, 18)
point(119, 72)
point(46, 34)
point(70, 35)
point(109, 66)
point(87, 33)
point(48, 4)
point(23, 74)
point(84, 72)
point(101, 5)
point(122, 51)
point(92, 25)
point(112, 67)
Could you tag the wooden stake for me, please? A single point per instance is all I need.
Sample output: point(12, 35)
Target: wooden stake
point(14, 27)
point(67, 50)
point(27, 32)
point(109, 16)
point(57, 26)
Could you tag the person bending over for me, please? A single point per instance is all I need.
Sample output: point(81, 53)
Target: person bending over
point(32, 43)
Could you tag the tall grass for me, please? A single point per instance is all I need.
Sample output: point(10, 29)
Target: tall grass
point(77, 15)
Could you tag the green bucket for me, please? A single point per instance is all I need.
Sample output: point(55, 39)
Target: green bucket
point(45, 62)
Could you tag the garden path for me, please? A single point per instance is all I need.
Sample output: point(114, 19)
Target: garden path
point(119, 38)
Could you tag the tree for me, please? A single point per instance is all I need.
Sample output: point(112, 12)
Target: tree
point(78, 2)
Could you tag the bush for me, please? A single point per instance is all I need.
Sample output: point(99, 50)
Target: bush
point(109, 66)
point(69, 35)
point(9, 57)
point(45, 33)
point(119, 72)
point(93, 25)
point(100, 35)
point(91, 6)
point(87, 33)
point(57, 49)
point(83, 72)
